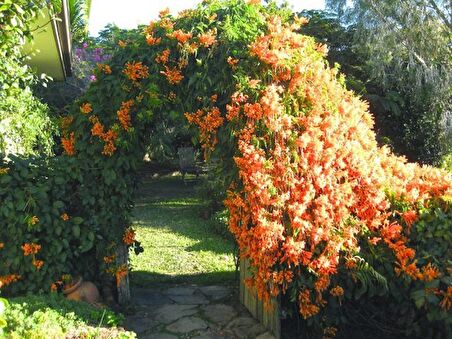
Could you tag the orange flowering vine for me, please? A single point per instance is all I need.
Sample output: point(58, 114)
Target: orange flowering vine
point(37, 263)
point(181, 36)
point(208, 39)
point(232, 62)
point(69, 144)
point(104, 68)
point(110, 259)
point(446, 302)
point(124, 114)
point(30, 248)
point(208, 122)
point(33, 220)
point(5, 280)
point(337, 291)
point(173, 75)
point(65, 217)
point(65, 122)
point(304, 201)
point(86, 108)
point(119, 273)
point(129, 236)
point(109, 138)
point(152, 40)
point(163, 57)
point(136, 70)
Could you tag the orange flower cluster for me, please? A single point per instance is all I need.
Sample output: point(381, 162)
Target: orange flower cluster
point(173, 75)
point(2, 245)
point(208, 122)
point(108, 137)
point(110, 259)
point(120, 273)
point(151, 40)
point(166, 23)
point(337, 291)
point(4, 170)
point(86, 108)
point(329, 332)
point(122, 44)
point(124, 114)
point(69, 144)
point(65, 217)
point(232, 62)
point(163, 57)
point(5, 280)
point(429, 273)
point(30, 248)
point(37, 263)
point(181, 36)
point(307, 307)
point(136, 70)
point(446, 302)
point(208, 39)
point(165, 12)
point(104, 68)
point(33, 220)
point(129, 236)
point(65, 122)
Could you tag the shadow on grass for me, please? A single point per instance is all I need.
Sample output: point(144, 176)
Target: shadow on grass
point(182, 218)
point(179, 245)
point(166, 187)
point(147, 279)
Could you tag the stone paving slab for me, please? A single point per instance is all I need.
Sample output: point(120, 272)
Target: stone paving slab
point(166, 314)
point(192, 312)
point(219, 313)
point(187, 325)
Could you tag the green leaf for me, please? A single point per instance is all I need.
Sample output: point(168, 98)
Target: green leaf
point(76, 231)
point(77, 220)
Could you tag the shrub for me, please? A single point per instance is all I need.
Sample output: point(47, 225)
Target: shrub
point(43, 233)
point(25, 126)
point(52, 316)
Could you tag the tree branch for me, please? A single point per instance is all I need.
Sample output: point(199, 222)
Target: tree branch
point(440, 14)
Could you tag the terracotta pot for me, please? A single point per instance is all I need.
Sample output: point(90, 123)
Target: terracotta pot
point(82, 291)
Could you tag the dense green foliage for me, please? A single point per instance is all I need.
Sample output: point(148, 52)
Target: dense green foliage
point(52, 316)
point(24, 123)
point(405, 51)
point(35, 194)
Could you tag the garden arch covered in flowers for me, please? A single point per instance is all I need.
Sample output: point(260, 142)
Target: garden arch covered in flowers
point(310, 191)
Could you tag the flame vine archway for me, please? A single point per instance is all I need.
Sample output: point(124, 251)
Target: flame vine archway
point(307, 181)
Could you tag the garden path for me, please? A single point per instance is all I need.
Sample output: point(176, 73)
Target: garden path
point(184, 284)
point(192, 311)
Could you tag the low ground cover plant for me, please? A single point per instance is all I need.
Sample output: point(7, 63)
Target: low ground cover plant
point(53, 316)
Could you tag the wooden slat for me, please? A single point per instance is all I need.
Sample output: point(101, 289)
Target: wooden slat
point(123, 288)
point(268, 316)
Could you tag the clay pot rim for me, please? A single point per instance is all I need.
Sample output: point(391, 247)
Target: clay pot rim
point(73, 287)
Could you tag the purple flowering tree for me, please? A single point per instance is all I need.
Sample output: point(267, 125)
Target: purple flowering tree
point(85, 58)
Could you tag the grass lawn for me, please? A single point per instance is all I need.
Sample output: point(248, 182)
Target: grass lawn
point(179, 245)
